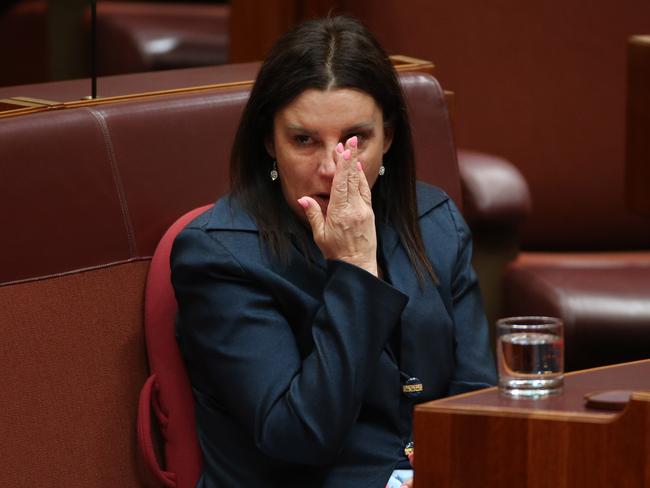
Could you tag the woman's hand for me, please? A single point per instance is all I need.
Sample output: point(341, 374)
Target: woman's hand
point(347, 231)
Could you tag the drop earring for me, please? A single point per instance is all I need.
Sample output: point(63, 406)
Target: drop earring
point(382, 170)
point(274, 171)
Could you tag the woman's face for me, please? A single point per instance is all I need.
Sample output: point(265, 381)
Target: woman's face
point(305, 135)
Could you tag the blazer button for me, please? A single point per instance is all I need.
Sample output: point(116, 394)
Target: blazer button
point(412, 387)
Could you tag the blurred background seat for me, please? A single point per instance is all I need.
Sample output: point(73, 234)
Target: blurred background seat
point(594, 270)
point(136, 37)
point(603, 299)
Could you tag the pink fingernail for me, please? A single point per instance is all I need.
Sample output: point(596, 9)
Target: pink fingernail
point(339, 148)
point(359, 167)
point(303, 202)
point(353, 141)
point(347, 154)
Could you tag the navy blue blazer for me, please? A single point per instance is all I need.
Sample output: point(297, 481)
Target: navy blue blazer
point(291, 366)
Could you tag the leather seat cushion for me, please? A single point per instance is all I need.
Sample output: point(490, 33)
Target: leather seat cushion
point(603, 298)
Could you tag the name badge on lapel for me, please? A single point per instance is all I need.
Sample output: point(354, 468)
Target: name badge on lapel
point(412, 387)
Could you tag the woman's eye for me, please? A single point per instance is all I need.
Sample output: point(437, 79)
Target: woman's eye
point(302, 140)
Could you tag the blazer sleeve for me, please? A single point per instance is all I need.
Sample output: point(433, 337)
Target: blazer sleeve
point(242, 353)
point(474, 366)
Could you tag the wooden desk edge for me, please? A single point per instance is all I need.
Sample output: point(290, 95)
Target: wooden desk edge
point(596, 417)
point(447, 405)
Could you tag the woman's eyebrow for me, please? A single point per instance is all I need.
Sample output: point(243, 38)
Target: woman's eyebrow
point(299, 128)
point(364, 126)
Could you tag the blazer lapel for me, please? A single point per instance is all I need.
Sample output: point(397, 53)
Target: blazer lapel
point(425, 303)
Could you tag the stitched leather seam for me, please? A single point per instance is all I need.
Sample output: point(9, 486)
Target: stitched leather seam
point(75, 271)
point(117, 179)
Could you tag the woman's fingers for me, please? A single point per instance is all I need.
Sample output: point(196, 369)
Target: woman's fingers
point(364, 187)
point(347, 231)
point(314, 216)
point(353, 173)
point(339, 191)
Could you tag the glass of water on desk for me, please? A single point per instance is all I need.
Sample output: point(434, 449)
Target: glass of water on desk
point(530, 352)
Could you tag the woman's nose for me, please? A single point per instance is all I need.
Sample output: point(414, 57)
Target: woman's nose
point(327, 166)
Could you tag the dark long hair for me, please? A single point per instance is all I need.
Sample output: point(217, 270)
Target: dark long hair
point(323, 54)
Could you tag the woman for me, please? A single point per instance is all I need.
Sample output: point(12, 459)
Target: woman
point(314, 296)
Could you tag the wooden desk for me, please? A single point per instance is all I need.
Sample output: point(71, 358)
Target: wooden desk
point(484, 439)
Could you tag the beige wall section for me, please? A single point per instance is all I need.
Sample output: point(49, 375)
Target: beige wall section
point(542, 84)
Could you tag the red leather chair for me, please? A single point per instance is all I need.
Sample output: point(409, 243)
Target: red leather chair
point(168, 389)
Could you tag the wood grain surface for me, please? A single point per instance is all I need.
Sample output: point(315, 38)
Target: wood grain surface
point(484, 439)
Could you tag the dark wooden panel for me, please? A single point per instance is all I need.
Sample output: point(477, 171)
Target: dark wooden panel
point(255, 25)
point(638, 125)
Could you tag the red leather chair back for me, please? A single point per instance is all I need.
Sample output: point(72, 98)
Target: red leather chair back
point(168, 389)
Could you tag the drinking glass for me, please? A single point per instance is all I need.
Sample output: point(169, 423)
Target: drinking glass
point(530, 353)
